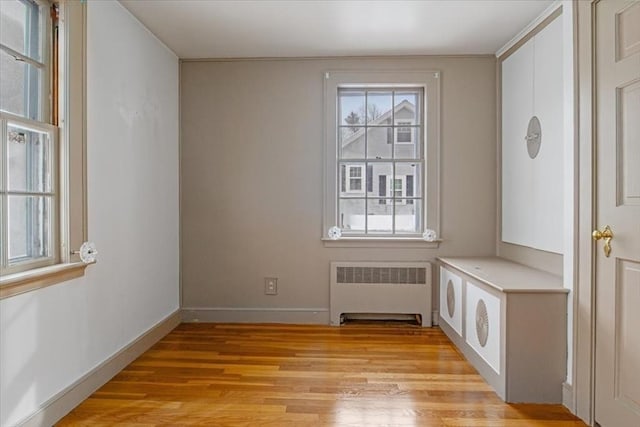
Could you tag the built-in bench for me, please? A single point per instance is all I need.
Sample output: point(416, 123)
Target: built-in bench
point(510, 322)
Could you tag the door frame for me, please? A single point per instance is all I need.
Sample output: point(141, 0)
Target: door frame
point(583, 404)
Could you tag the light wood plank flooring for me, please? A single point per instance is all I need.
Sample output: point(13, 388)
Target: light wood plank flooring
point(290, 375)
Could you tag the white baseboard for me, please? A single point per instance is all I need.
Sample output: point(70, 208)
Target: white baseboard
point(567, 397)
point(317, 316)
point(63, 402)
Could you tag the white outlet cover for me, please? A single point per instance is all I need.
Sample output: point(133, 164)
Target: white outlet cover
point(271, 286)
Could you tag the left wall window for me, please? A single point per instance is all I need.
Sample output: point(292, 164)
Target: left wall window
point(43, 188)
point(28, 183)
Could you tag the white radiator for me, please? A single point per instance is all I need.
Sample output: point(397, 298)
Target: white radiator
point(380, 288)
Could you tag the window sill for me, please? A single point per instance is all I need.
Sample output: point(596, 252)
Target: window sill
point(381, 242)
point(27, 281)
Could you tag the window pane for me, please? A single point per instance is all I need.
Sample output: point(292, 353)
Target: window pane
point(380, 216)
point(29, 160)
point(408, 216)
point(19, 87)
point(352, 142)
point(351, 215)
point(378, 107)
point(29, 231)
point(351, 107)
point(407, 106)
point(408, 143)
point(19, 27)
point(411, 175)
point(379, 142)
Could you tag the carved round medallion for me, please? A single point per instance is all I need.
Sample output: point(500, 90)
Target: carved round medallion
point(482, 323)
point(451, 299)
point(534, 137)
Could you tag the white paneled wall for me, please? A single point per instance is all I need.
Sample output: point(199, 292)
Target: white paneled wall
point(532, 189)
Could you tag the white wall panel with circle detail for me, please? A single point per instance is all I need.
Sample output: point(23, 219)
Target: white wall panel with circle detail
point(483, 321)
point(532, 155)
point(451, 299)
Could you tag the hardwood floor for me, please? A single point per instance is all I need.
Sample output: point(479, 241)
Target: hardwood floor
point(290, 375)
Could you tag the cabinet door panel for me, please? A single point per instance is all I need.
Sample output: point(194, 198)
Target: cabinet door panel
point(548, 166)
point(532, 198)
point(483, 325)
point(517, 109)
point(451, 299)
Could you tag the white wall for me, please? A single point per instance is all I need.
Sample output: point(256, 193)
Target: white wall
point(51, 337)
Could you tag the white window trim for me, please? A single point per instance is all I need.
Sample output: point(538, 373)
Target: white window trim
point(72, 181)
point(430, 81)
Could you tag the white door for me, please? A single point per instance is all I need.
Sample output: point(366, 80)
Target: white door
point(617, 78)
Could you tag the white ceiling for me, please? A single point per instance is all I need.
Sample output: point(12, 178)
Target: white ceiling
point(308, 28)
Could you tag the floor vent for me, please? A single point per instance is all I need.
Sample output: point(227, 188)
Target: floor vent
point(381, 319)
point(375, 288)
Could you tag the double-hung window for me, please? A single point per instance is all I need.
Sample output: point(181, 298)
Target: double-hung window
point(381, 146)
point(28, 183)
point(41, 140)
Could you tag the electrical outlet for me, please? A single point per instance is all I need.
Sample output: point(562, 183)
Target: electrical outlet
point(271, 286)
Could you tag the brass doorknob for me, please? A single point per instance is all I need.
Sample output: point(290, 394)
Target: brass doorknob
point(605, 234)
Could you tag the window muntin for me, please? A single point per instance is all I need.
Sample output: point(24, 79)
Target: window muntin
point(29, 195)
point(368, 125)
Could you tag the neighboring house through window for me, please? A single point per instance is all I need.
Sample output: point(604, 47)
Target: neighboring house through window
point(385, 165)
